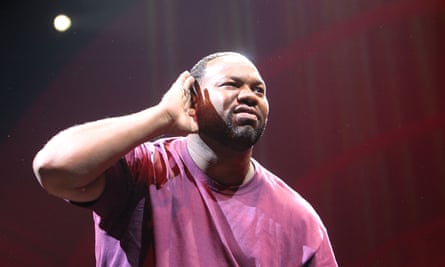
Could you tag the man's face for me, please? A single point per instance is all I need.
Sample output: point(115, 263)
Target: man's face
point(233, 107)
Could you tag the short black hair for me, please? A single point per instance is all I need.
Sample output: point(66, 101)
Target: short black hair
point(198, 70)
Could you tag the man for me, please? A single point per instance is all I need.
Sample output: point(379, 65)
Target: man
point(198, 200)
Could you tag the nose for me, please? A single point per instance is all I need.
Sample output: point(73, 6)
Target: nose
point(247, 96)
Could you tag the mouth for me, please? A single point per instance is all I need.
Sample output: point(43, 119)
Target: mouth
point(246, 115)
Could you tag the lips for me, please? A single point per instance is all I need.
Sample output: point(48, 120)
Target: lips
point(245, 113)
point(245, 109)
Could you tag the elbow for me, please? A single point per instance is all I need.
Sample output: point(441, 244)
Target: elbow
point(40, 168)
point(57, 178)
point(47, 173)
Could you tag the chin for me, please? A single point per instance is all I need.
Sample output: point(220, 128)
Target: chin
point(244, 137)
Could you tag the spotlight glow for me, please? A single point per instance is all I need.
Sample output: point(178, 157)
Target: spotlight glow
point(62, 23)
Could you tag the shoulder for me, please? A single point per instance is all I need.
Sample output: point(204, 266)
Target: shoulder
point(161, 146)
point(152, 161)
point(285, 197)
point(168, 144)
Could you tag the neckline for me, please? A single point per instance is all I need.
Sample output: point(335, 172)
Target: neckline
point(212, 183)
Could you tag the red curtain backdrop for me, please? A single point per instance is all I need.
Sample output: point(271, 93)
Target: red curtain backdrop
point(357, 123)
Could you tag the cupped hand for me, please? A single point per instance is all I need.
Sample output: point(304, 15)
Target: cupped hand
point(177, 103)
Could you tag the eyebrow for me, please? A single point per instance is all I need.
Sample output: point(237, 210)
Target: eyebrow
point(239, 79)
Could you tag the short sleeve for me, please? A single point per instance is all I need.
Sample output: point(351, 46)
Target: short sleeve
point(324, 256)
point(120, 197)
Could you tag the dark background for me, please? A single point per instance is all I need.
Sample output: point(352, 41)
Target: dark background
point(357, 117)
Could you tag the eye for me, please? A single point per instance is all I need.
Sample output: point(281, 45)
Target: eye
point(230, 84)
point(259, 90)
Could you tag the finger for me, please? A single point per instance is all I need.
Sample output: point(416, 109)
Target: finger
point(188, 82)
point(187, 90)
point(182, 78)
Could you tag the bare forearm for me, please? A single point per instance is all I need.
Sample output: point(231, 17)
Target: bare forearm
point(75, 157)
point(72, 163)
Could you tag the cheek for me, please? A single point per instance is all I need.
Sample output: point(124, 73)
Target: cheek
point(221, 100)
point(265, 108)
point(212, 106)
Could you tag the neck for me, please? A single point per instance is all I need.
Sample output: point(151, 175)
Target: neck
point(224, 165)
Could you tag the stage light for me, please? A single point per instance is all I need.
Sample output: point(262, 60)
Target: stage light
point(62, 23)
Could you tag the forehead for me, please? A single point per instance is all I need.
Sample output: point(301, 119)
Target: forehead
point(231, 66)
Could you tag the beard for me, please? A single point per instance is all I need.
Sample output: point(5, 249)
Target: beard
point(225, 132)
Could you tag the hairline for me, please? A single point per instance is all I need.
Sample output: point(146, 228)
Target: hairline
point(198, 71)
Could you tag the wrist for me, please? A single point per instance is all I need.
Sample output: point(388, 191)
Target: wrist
point(158, 117)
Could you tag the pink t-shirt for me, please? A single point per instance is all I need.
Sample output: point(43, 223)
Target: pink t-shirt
point(160, 209)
